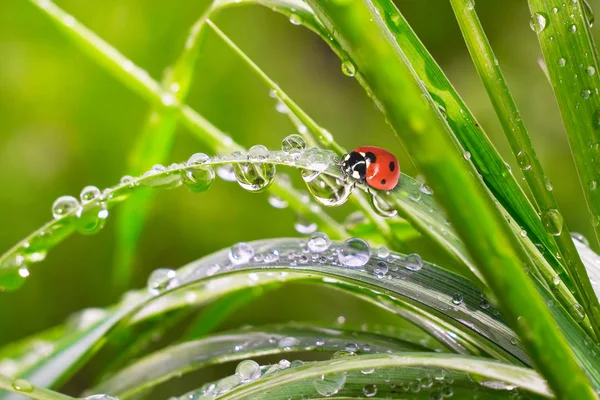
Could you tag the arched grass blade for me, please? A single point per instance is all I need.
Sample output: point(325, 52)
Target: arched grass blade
point(427, 297)
point(183, 358)
point(390, 371)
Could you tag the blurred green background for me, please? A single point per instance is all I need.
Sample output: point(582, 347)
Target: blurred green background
point(66, 123)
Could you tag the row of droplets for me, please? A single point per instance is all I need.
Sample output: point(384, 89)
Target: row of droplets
point(353, 253)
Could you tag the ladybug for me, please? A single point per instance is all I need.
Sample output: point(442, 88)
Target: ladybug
point(376, 166)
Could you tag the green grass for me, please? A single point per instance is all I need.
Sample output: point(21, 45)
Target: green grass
point(509, 310)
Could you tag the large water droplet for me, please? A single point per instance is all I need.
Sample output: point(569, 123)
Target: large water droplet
point(288, 342)
point(590, 70)
point(198, 177)
point(293, 145)
point(524, 160)
point(538, 22)
point(241, 253)
point(319, 242)
point(277, 202)
point(326, 190)
point(304, 226)
point(22, 385)
point(369, 390)
point(414, 262)
point(328, 385)
point(457, 298)
point(258, 153)
point(159, 280)
point(64, 205)
point(89, 194)
point(256, 176)
point(348, 68)
point(295, 19)
point(380, 269)
point(248, 371)
point(382, 207)
point(354, 253)
point(553, 222)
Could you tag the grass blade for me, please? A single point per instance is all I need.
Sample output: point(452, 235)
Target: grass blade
point(386, 71)
point(523, 378)
point(28, 390)
point(572, 61)
point(522, 147)
point(173, 361)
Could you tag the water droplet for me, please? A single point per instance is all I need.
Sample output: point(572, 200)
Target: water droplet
point(467, 155)
point(248, 371)
point(549, 186)
point(457, 298)
point(326, 190)
point(284, 364)
point(524, 160)
point(573, 28)
point(578, 313)
point(538, 22)
point(589, 13)
point(288, 342)
point(89, 194)
point(295, 19)
point(320, 342)
point(447, 391)
point(64, 205)
point(198, 177)
point(484, 304)
point(351, 347)
point(348, 68)
point(470, 4)
point(328, 385)
point(369, 390)
point(590, 70)
point(255, 177)
point(585, 93)
point(101, 397)
point(277, 202)
point(383, 252)
point(380, 269)
point(562, 62)
point(354, 253)
point(22, 385)
point(580, 238)
point(293, 145)
point(553, 222)
point(382, 207)
point(555, 10)
point(304, 226)
point(319, 242)
point(241, 253)
point(159, 280)
point(271, 256)
point(523, 233)
point(425, 189)
point(414, 262)
point(258, 153)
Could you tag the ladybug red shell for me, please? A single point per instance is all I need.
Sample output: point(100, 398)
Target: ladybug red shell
point(376, 166)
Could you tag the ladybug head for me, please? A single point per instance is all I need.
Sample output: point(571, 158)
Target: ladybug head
point(354, 166)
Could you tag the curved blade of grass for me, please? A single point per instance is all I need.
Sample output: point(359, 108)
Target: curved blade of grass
point(522, 147)
point(139, 80)
point(386, 71)
point(572, 60)
point(33, 392)
point(182, 358)
point(424, 296)
point(394, 365)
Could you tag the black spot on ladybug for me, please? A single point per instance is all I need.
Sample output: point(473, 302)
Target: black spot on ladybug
point(370, 156)
point(383, 181)
point(392, 166)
